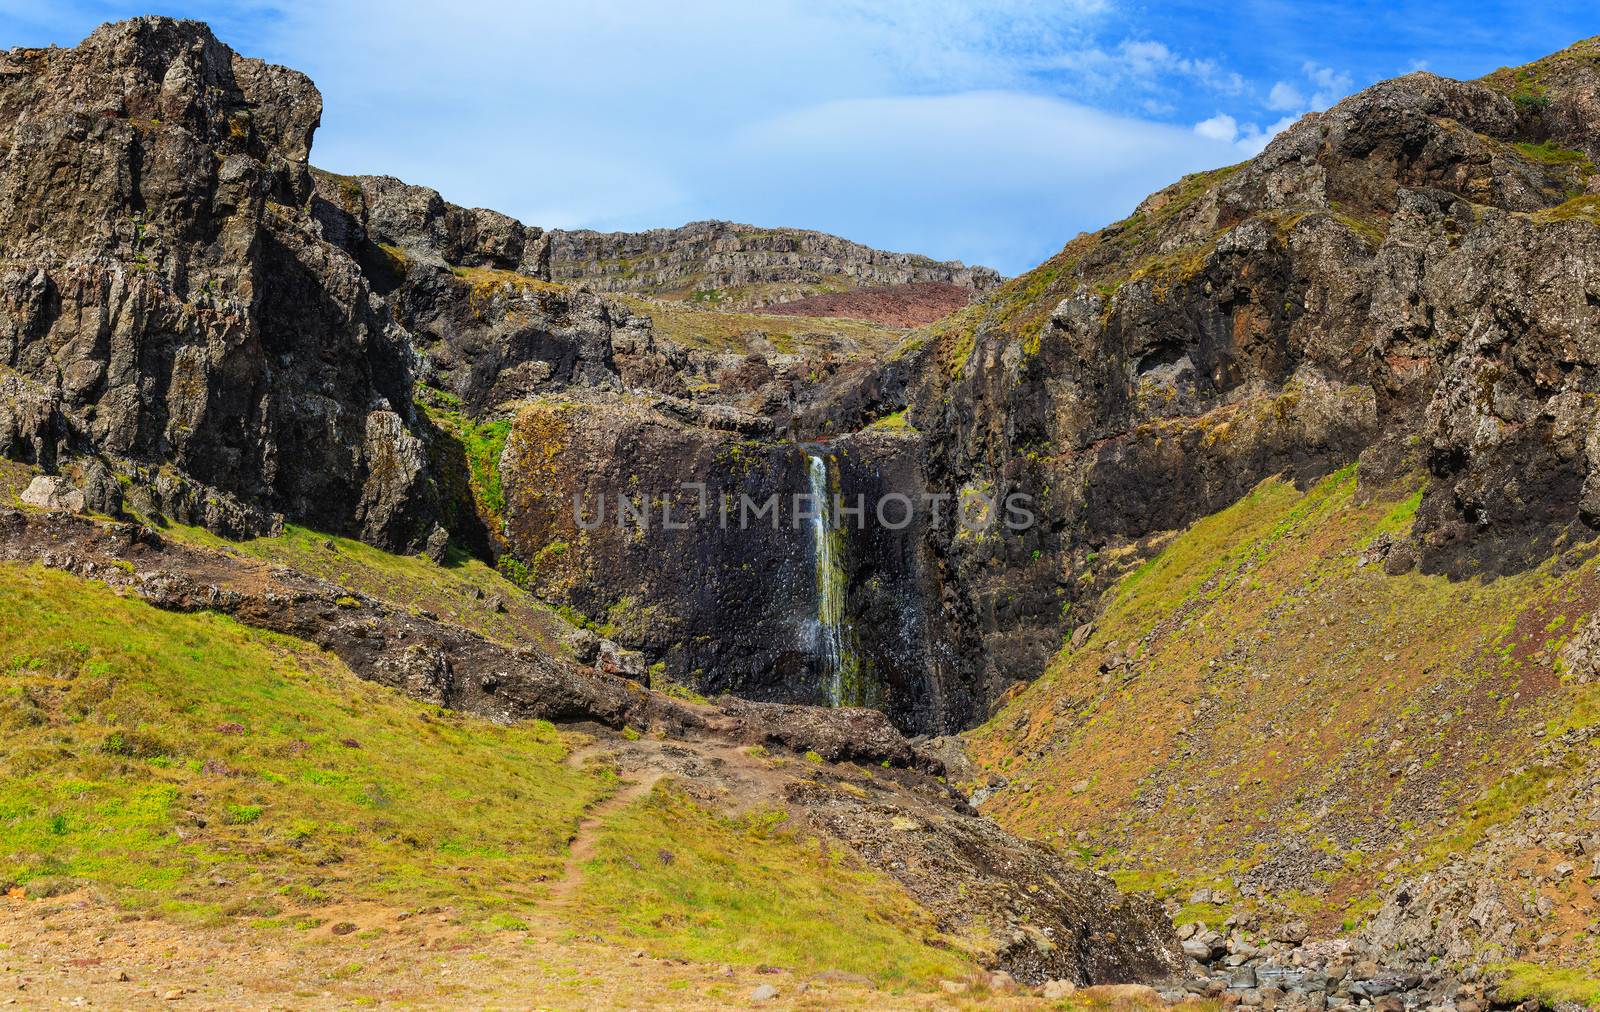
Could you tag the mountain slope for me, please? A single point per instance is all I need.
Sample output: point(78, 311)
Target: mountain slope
point(1409, 278)
point(1268, 711)
point(1314, 612)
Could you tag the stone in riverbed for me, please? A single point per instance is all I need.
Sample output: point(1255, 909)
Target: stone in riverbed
point(1194, 948)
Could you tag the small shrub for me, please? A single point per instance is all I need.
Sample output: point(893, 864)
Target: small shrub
point(241, 815)
point(134, 745)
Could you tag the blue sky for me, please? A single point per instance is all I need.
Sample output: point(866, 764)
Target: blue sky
point(990, 131)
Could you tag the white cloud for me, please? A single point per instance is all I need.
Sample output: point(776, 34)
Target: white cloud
point(622, 114)
point(1218, 128)
point(1144, 64)
point(1331, 85)
point(1250, 138)
point(1326, 85)
point(969, 127)
point(1285, 96)
point(943, 174)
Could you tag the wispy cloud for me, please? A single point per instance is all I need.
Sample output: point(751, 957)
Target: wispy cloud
point(990, 130)
point(1317, 89)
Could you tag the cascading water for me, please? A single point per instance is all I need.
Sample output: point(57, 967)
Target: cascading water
point(833, 647)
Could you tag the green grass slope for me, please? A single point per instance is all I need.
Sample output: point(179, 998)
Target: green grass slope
point(190, 768)
point(1260, 706)
point(464, 591)
point(188, 764)
point(747, 891)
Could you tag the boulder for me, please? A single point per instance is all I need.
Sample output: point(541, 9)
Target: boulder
point(52, 493)
point(102, 492)
point(437, 546)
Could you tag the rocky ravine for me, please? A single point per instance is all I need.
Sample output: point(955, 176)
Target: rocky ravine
point(1411, 279)
point(243, 340)
point(195, 324)
point(1039, 918)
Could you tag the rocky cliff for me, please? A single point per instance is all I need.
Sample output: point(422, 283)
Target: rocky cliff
point(1405, 279)
point(721, 263)
point(1409, 279)
point(1312, 441)
point(167, 300)
point(201, 327)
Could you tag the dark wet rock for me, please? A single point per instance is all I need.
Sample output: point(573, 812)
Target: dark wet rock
point(437, 546)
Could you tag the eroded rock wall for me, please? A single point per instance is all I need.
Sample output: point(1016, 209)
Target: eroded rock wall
point(1411, 278)
point(742, 266)
point(164, 301)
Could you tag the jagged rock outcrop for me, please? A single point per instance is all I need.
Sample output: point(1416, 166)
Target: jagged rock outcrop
point(164, 299)
point(742, 266)
point(1411, 278)
point(421, 224)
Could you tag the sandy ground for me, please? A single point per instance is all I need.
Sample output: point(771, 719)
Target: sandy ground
point(72, 951)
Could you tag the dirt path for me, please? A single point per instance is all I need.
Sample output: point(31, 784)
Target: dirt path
point(587, 837)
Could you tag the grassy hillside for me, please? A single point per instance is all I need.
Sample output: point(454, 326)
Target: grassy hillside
point(1263, 710)
point(745, 891)
point(464, 591)
point(716, 330)
point(196, 770)
point(189, 765)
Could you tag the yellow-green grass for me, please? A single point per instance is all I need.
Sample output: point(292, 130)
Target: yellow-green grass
point(462, 591)
point(190, 765)
point(186, 766)
point(748, 891)
point(480, 442)
point(895, 422)
point(1301, 679)
point(485, 282)
point(1551, 153)
point(1577, 209)
point(755, 294)
point(14, 477)
point(714, 330)
point(1549, 986)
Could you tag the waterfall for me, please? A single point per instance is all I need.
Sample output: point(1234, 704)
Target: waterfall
point(839, 662)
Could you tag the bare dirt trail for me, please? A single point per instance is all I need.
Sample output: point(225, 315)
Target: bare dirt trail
point(587, 838)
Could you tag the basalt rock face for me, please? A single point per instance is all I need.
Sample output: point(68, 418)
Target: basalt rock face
point(243, 340)
point(1411, 278)
point(164, 299)
point(761, 266)
point(468, 285)
point(714, 583)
